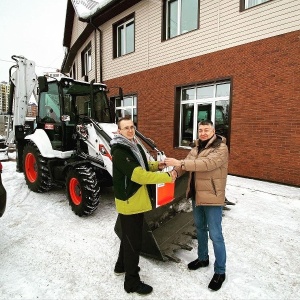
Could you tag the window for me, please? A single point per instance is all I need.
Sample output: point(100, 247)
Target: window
point(123, 36)
point(73, 72)
point(180, 16)
point(125, 107)
point(203, 102)
point(245, 4)
point(86, 60)
point(49, 106)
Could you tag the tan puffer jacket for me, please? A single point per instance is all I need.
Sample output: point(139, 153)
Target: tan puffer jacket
point(211, 169)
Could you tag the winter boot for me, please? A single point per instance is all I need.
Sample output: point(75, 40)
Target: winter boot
point(142, 289)
point(196, 264)
point(217, 281)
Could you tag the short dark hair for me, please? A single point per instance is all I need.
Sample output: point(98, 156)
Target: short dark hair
point(126, 118)
point(206, 122)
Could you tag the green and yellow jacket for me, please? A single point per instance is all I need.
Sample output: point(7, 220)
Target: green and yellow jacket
point(131, 175)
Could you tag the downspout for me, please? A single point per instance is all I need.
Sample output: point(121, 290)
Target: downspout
point(100, 54)
point(96, 55)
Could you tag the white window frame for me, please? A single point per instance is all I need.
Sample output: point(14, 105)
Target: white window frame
point(252, 3)
point(209, 100)
point(87, 61)
point(179, 18)
point(128, 109)
point(123, 38)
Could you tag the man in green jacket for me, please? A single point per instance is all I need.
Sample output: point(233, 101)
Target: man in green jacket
point(131, 174)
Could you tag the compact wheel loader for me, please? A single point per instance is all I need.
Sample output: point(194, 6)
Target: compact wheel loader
point(68, 145)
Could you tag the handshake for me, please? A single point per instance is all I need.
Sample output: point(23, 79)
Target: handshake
point(170, 162)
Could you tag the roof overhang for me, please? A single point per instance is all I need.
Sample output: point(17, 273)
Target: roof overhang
point(101, 15)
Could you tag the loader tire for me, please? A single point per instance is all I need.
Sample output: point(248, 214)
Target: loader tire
point(83, 190)
point(35, 168)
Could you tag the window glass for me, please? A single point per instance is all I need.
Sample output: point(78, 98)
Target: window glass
point(173, 18)
point(130, 37)
point(189, 15)
point(101, 109)
point(251, 3)
point(118, 114)
point(89, 60)
point(204, 112)
point(86, 60)
point(127, 112)
point(121, 42)
point(188, 94)
point(205, 92)
point(118, 102)
point(127, 102)
point(49, 108)
point(223, 89)
point(69, 108)
point(187, 124)
point(221, 117)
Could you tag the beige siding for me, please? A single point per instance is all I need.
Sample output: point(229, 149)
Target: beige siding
point(135, 61)
point(78, 28)
point(222, 26)
point(91, 74)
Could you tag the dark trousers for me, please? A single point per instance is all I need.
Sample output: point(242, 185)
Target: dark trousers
point(130, 248)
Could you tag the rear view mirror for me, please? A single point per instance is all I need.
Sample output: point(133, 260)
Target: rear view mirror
point(43, 84)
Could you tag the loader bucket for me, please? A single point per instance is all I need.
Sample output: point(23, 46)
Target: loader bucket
point(168, 227)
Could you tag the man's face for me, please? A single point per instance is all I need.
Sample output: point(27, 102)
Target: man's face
point(205, 132)
point(127, 129)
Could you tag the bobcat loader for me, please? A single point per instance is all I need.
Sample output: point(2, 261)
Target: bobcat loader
point(69, 145)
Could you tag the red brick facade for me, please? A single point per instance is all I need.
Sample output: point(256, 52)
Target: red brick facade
point(265, 97)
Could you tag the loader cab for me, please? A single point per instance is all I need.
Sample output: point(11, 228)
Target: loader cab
point(61, 102)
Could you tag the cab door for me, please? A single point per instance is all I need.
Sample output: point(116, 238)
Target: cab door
point(50, 115)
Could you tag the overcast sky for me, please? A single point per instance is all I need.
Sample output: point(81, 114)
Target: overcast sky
point(34, 29)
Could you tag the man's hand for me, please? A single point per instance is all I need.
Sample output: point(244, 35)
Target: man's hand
point(172, 162)
point(161, 165)
point(173, 174)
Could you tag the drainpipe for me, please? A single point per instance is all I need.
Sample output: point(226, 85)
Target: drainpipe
point(100, 54)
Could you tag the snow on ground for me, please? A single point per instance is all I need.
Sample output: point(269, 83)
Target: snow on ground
point(47, 252)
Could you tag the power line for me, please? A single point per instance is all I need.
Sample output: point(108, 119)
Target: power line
point(12, 62)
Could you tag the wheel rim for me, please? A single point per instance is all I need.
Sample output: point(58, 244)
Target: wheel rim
point(31, 167)
point(75, 191)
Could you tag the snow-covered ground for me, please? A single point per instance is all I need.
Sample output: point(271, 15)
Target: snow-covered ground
point(47, 252)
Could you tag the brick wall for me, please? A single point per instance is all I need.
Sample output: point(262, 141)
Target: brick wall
point(265, 122)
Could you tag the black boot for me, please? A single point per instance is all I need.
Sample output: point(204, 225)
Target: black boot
point(142, 289)
point(196, 264)
point(217, 281)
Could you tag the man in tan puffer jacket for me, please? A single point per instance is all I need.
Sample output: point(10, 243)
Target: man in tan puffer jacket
point(207, 164)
